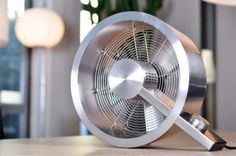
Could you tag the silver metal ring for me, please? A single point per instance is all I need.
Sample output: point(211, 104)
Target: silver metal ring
point(78, 98)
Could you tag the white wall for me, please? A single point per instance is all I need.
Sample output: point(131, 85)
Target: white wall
point(183, 15)
point(226, 68)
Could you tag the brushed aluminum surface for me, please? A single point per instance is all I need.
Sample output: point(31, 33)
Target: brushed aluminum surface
point(112, 92)
point(87, 58)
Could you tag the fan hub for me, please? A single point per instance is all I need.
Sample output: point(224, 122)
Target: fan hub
point(127, 77)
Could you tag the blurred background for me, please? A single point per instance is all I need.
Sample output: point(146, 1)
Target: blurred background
point(35, 99)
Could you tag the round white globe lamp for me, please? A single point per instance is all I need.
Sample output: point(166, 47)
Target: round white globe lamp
point(40, 27)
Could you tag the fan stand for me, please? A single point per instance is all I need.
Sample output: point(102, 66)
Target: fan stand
point(187, 123)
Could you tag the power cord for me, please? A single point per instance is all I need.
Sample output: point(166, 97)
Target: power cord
point(230, 147)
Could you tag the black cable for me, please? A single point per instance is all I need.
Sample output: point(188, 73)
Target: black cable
point(230, 147)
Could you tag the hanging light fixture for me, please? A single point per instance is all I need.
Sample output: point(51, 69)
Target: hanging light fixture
point(40, 27)
point(3, 23)
point(222, 2)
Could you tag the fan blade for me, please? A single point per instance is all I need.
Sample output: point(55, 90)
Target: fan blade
point(166, 59)
point(153, 117)
point(136, 119)
point(166, 99)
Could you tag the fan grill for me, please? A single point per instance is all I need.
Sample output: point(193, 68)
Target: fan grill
point(135, 117)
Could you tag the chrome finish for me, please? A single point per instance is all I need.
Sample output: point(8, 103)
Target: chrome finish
point(197, 83)
point(199, 122)
point(208, 139)
point(132, 77)
point(109, 117)
point(126, 78)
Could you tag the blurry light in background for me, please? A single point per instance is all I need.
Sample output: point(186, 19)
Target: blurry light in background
point(10, 97)
point(222, 2)
point(86, 23)
point(86, 2)
point(4, 24)
point(40, 27)
point(94, 3)
point(95, 18)
point(207, 56)
point(15, 8)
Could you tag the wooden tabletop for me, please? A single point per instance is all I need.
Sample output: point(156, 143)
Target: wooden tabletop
point(89, 145)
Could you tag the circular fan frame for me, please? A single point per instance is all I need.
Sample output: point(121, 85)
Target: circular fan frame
point(79, 95)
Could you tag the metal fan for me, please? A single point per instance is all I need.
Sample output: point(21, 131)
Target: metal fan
point(134, 77)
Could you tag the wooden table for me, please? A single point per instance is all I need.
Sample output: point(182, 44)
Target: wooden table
point(89, 145)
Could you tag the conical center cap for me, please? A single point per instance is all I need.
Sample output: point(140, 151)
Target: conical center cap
point(126, 78)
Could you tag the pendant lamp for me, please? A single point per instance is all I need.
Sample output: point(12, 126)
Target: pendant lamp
point(40, 27)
